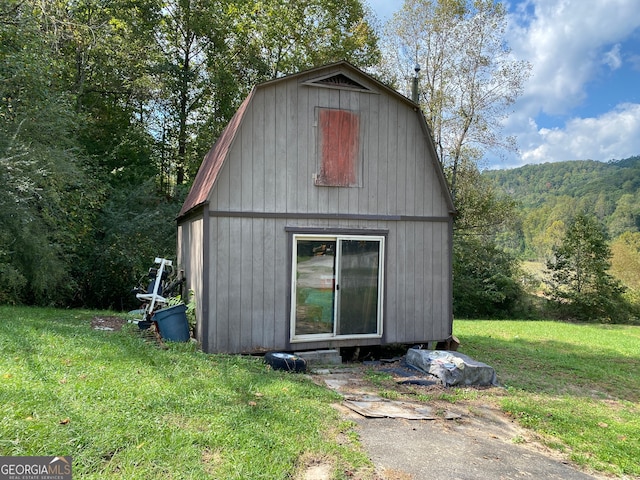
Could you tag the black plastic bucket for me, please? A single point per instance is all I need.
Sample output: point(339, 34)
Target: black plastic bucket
point(172, 323)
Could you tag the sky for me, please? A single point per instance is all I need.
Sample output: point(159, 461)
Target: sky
point(582, 101)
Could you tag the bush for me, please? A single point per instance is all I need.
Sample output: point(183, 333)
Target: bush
point(12, 284)
point(135, 226)
point(484, 279)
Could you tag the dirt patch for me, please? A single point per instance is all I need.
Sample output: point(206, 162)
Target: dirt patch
point(320, 471)
point(314, 468)
point(107, 323)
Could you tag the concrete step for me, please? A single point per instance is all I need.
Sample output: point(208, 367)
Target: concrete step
point(321, 357)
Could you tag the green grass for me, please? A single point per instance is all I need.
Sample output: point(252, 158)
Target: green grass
point(124, 408)
point(577, 386)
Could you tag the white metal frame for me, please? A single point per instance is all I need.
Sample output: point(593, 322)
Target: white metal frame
point(153, 299)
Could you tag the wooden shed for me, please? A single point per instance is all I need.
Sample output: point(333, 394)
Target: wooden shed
point(319, 219)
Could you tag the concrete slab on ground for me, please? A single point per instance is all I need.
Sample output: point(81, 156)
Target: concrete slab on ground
point(475, 443)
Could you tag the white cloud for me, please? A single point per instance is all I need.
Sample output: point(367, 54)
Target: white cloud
point(573, 45)
point(567, 42)
point(615, 134)
point(612, 58)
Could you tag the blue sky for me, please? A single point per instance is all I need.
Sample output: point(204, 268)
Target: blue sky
point(583, 98)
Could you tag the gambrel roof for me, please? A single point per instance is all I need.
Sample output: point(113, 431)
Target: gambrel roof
point(341, 75)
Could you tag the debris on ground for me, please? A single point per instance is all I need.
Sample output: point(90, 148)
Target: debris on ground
point(376, 407)
point(452, 368)
point(107, 323)
point(405, 374)
point(358, 397)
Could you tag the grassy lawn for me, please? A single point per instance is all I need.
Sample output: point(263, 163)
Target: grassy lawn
point(576, 386)
point(124, 408)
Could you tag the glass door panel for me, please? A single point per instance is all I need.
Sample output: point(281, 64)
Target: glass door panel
point(337, 286)
point(358, 285)
point(314, 286)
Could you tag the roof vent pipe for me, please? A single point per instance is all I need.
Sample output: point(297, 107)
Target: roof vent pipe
point(414, 92)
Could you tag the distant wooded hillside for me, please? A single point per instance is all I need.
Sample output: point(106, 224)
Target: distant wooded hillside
point(550, 194)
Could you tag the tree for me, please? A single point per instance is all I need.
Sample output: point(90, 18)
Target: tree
point(468, 78)
point(467, 81)
point(128, 240)
point(47, 199)
point(191, 35)
point(98, 97)
point(485, 279)
point(625, 262)
point(285, 36)
point(626, 217)
point(105, 51)
point(482, 209)
point(578, 273)
point(213, 52)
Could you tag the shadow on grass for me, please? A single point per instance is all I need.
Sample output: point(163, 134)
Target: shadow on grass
point(551, 366)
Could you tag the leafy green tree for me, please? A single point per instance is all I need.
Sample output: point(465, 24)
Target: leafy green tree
point(482, 209)
point(467, 81)
point(46, 200)
point(485, 279)
point(191, 38)
point(72, 131)
point(578, 273)
point(213, 52)
point(129, 239)
point(556, 191)
point(625, 262)
point(283, 37)
point(105, 51)
point(468, 77)
point(99, 100)
point(626, 217)
point(625, 265)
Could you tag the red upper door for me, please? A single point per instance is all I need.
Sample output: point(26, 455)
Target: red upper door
point(339, 136)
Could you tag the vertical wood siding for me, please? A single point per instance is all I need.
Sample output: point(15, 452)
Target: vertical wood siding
point(250, 301)
point(191, 261)
point(272, 163)
point(271, 170)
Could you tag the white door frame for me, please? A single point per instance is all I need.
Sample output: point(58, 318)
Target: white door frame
point(333, 285)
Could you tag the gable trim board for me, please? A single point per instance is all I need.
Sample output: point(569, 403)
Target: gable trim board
point(329, 216)
point(339, 80)
point(256, 194)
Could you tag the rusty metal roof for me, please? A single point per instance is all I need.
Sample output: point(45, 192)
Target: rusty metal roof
point(213, 161)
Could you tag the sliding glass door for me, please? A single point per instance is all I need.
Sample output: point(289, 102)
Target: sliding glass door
point(336, 286)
